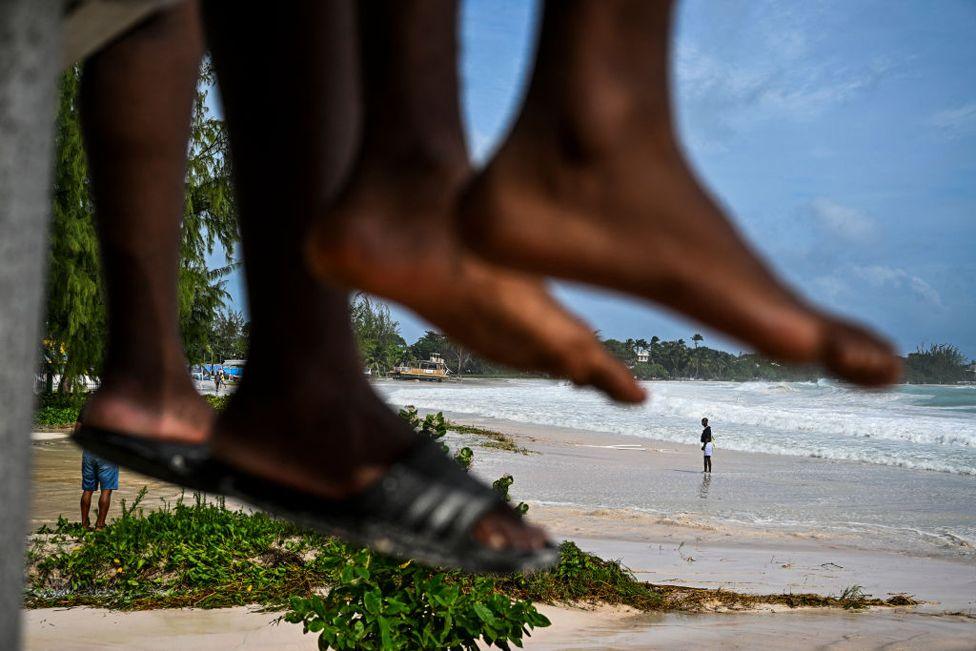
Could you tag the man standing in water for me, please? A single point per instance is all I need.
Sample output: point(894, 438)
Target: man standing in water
point(706, 441)
point(97, 474)
point(706, 433)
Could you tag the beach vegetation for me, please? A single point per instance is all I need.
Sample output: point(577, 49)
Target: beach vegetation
point(853, 597)
point(494, 439)
point(581, 577)
point(376, 603)
point(217, 402)
point(196, 552)
point(74, 336)
point(61, 410)
point(58, 410)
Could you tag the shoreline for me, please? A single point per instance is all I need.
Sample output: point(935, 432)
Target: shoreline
point(910, 427)
point(793, 480)
point(687, 549)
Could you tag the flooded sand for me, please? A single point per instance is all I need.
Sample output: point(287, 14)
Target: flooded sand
point(56, 483)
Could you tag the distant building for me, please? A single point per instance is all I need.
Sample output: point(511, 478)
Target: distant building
point(643, 356)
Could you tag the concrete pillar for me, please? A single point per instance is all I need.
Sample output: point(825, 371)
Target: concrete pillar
point(30, 58)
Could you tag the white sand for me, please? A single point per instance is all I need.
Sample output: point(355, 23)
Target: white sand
point(602, 628)
point(48, 436)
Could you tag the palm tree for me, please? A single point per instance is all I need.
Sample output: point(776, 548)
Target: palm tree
point(696, 338)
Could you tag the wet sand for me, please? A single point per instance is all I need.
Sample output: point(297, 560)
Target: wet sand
point(690, 549)
point(56, 483)
point(660, 548)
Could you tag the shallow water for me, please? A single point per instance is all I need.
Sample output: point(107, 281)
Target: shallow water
point(891, 470)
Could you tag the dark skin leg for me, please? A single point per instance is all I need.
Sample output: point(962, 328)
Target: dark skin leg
point(104, 502)
point(591, 185)
point(391, 233)
point(303, 413)
point(86, 498)
point(136, 102)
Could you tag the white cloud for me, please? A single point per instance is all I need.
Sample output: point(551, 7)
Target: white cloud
point(880, 276)
point(785, 70)
point(955, 121)
point(842, 221)
point(830, 288)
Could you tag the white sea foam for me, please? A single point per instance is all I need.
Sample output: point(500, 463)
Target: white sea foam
point(926, 428)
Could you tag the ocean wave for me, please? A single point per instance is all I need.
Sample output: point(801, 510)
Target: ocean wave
point(825, 420)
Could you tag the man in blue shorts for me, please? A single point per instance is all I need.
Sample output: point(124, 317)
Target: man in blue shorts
point(97, 474)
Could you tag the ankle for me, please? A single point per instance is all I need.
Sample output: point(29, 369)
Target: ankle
point(165, 365)
point(437, 160)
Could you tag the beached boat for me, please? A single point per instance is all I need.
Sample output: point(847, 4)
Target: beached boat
point(432, 370)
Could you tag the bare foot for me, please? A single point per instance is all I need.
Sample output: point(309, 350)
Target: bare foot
point(303, 414)
point(363, 437)
point(164, 408)
point(392, 235)
point(592, 186)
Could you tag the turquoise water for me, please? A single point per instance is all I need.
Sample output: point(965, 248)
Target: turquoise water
point(961, 398)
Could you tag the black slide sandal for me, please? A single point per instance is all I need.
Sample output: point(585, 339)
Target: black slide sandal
point(185, 464)
point(424, 508)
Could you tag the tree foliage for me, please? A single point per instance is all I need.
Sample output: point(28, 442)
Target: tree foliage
point(229, 336)
point(377, 334)
point(75, 328)
point(209, 221)
point(674, 359)
point(667, 359)
point(940, 364)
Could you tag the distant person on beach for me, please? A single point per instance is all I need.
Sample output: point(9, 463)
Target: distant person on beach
point(101, 475)
point(707, 448)
point(218, 379)
point(706, 434)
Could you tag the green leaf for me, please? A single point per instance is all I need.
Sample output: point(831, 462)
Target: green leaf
point(373, 601)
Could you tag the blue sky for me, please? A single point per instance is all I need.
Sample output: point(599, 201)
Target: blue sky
point(841, 136)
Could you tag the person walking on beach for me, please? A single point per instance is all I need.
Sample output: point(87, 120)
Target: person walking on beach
point(97, 474)
point(218, 378)
point(708, 456)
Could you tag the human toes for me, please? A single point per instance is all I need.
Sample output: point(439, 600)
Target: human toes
point(499, 531)
point(860, 356)
point(590, 364)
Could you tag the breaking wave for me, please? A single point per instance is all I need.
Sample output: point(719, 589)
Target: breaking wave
point(920, 427)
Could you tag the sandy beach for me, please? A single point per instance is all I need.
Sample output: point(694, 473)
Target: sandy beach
point(598, 489)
